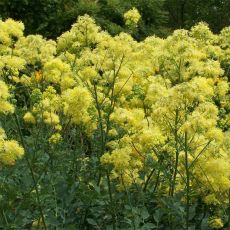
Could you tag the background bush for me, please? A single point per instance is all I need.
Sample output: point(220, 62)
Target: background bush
point(52, 17)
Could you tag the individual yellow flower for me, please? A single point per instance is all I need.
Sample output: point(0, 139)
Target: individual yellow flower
point(51, 118)
point(55, 138)
point(58, 127)
point(29, 118)
point(10, 150)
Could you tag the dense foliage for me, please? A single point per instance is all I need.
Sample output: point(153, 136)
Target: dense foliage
point(111, 133)
point(52, 17)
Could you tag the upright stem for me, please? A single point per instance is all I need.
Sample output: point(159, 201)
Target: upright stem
point(31, 171)
point(111, 200)
point(177, 155)
point(130, 203)
point(101, 129)
point(148, 179)
point(187, 180)
point(103, 136)
point(157, 181)
point(100, 119)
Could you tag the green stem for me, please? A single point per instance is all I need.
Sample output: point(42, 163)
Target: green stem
point(148, 179)
point(5, 218)
point(157, 181)
point(31, 171)
point(111, 200)
point(187, 180)
point(177, 155)
point(101, 130)
point(130, 203)
point(199, 154)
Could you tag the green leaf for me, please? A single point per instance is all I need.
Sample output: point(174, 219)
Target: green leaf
point(91, 221)
point(144, 213)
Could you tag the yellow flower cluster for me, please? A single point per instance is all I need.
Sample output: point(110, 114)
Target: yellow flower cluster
point(10, 151)
point(55, 138)
point(150, 101)
point(10, 32)
point(82, 34)
point(132, 17)
point(77, 103)
point(45, 109)
point(126, 166)
point(58, 72)
point(5, 106)
point(34, 49)
point(29, 118)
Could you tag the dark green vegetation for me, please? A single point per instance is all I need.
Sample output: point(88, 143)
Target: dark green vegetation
point(51, 17)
